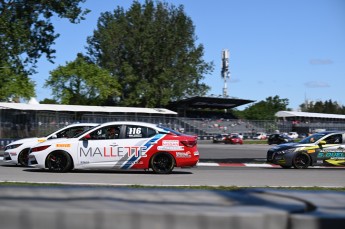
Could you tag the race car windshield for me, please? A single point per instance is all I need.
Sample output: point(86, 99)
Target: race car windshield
point(87, 129)
point(312, 138)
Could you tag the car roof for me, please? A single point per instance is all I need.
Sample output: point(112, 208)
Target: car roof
point(83, 124)
point(130, 123)
point(331, 132)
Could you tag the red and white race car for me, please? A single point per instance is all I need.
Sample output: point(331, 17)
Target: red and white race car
point(118, 145)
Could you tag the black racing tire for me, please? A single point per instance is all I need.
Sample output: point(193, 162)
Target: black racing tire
point(162, 163)
point(301, 160)
point(23, 157)
point(59, 161)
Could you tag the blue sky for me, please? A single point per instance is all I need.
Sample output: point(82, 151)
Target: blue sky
point(291, 48)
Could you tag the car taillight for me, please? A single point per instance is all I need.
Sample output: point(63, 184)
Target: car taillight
point(189, 143)
point(39, 148)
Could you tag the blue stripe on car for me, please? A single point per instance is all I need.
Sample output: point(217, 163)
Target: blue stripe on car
point(129, 163)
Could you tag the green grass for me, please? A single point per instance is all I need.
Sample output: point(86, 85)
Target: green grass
point(211, 188)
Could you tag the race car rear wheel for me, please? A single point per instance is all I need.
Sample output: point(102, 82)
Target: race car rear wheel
point(162, 163)
point(23, 157)
point(301, 161)
point(59, 161)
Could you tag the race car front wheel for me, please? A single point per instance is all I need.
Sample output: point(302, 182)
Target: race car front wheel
point(59, 161)
point(162, 163)
point(301, 161)
point(23, 157)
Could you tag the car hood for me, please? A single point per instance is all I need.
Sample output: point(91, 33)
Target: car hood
point(53, 141)
point(25, 140)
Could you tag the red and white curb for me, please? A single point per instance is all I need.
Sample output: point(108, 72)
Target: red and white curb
point(254, 165)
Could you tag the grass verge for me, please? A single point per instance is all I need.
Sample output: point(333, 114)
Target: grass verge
point(211, 188)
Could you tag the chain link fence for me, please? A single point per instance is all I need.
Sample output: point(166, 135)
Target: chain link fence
point(19, 124)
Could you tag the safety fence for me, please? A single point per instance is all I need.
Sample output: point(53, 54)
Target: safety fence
point(46, 123)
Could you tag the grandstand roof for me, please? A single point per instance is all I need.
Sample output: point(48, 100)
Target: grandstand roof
point(210, 102)
point(80, 108)
point(282, 114)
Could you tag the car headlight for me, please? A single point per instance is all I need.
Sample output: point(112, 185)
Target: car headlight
point(285, 151)
point(13, 146)
point(38, 148)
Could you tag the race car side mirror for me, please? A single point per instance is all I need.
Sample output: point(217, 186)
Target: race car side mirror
point(322, 143)
point(54, 136)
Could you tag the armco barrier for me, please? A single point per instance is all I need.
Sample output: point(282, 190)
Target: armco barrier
point(103, 208)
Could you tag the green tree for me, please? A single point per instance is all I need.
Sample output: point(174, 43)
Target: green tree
point(150, 49)
point(327, 107)
point(26, 33)
point(14, 83)
point(48, 101)
point(265, 109)
point(82, 83)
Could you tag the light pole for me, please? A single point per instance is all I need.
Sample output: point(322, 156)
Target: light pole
point(225, 71)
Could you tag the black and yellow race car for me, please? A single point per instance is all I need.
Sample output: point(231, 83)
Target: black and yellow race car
point(324, 148)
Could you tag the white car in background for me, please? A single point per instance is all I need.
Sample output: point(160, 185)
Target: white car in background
point(260, 136)
point(240, 135)
point(293, 135)
point(17, 152)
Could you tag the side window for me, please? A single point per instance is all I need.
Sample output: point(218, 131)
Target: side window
point(334, 139)
point(139, 132)
point(98, 134)
point(70, 132)
point(151, 132)
point(108, 132)
point(135, 132)
point(113, 132)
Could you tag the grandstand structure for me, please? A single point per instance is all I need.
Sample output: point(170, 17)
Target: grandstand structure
point(202, 116)
point(18, 120)
point(307, 122)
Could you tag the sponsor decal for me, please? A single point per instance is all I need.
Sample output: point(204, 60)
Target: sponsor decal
point(138, 151)
point(147, 146)
point(340, 154)
point(336, 162)
point(13, 154)
point(63, 145)
point(311, 150)
point(135, 132)
point(41, 140)
point(170, 148)
point(183, 155)
point(170, 145)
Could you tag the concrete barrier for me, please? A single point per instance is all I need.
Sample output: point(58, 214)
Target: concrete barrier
point(109, 207)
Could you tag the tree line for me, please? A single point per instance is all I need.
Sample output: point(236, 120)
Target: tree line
point(145, 56)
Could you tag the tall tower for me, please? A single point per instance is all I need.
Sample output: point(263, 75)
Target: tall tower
point(225, 71)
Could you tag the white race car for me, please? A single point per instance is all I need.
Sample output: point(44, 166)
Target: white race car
point(118, 145)
point(17, 152)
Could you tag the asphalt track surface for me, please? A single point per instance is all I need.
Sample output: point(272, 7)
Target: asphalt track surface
point(220, 165)
point(83, 206)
